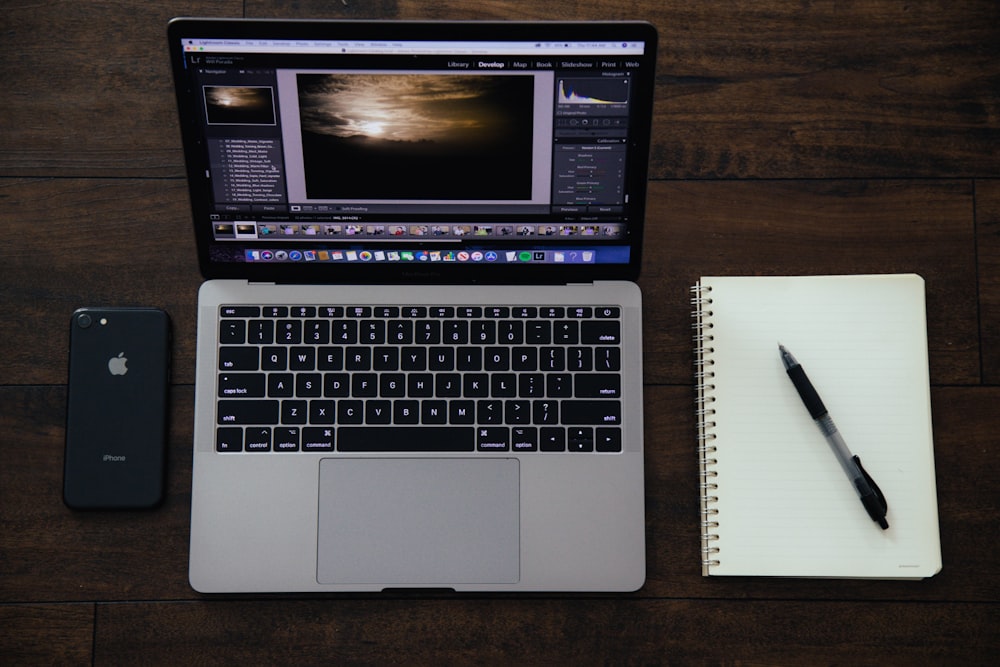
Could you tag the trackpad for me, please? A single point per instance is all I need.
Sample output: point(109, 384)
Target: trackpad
point(424, 522)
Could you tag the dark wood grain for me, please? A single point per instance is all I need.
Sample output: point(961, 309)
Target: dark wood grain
point(789, 138)
point(570, 631)
point(811, 227)
point(91, 242)
point(34, 634)
point(988, 244)
point(91, 87)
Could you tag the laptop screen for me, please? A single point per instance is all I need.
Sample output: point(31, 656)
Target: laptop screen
point(385, 151)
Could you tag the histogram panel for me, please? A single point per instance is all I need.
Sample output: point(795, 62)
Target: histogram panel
point(593, 91)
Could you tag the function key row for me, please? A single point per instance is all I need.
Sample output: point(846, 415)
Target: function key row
point(520, 312)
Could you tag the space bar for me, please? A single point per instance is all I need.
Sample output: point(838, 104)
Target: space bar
point(406, 439)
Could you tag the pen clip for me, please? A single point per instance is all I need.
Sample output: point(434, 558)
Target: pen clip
point(878, 512)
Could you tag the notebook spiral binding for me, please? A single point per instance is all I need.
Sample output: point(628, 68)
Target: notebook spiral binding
point(701, 314)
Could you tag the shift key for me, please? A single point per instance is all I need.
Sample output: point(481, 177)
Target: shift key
point(608, 413)
point(248, 412)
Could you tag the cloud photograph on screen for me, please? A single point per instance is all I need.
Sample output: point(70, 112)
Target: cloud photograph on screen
point(239, 105)
point(416, 136)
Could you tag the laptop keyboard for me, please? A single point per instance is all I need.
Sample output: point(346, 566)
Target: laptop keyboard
point(419, 379)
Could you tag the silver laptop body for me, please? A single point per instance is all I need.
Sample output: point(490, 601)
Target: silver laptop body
point(419, 358)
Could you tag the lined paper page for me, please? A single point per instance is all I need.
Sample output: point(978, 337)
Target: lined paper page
point(785, 506)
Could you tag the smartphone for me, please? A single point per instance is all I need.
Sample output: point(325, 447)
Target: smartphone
point(116, 408)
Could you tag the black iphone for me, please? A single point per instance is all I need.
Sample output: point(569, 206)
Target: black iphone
point(116, 413)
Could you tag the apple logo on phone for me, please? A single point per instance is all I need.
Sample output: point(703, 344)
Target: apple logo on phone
point(117, 364)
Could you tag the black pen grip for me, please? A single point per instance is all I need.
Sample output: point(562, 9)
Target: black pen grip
point(814, 404)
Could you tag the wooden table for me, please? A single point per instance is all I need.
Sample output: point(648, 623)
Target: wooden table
point(807, 137)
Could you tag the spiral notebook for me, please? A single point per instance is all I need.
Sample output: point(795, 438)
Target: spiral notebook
point(774, 500)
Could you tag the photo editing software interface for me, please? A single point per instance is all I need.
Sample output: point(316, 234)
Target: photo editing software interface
point(402, 151)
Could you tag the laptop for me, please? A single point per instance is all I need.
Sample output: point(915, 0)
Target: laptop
point(419, 355)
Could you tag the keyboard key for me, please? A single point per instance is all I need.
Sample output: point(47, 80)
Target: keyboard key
point(517, 412)
point(344, 332)
point(400, 332)
point(600, 332)
point(406, 412)
point(493, 439)
point(455, 332)
point(358, 358)
point(330, 358)
point(317, 332)
point(239, 311)
point(609, 440)
point(249, 411)
point(591, 412)
point(294, 412)
point(274, 358)
point(559, 385)
point(232, 332)
point(579, 359)
point(413, 359)
point(406, 439)
point(434, 412)
point(336, 385)
point(476, 385)
point(350, 412)
point(229, 439)
point(538, 332)
point(598, 385)
point(545, 412)
point(364, 385)
point(322, 412)
point(317, 439)
point(524, 359)
point(524, 439)
point(378, 412)
point(552, 439)
point(489, 412)
point(580, 439)
point(242, 385)
point(441, 359)
point(257, 439)
point(462, 412)
point(484, 332)
point(280, 385)
point(510, 332)
point(289, 332)
point(238, 359)
point(286, 439)
point(607, 359)
point(566, 332)
point(260, 332)
point(531, 385)
point(371, 332)
point(302, 358)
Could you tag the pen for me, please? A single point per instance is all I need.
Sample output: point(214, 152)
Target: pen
point(869, 493)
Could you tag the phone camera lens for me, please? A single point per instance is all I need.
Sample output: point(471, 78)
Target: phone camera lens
point(84, 320)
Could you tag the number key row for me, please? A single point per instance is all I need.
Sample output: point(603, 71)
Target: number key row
point(426, 332)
